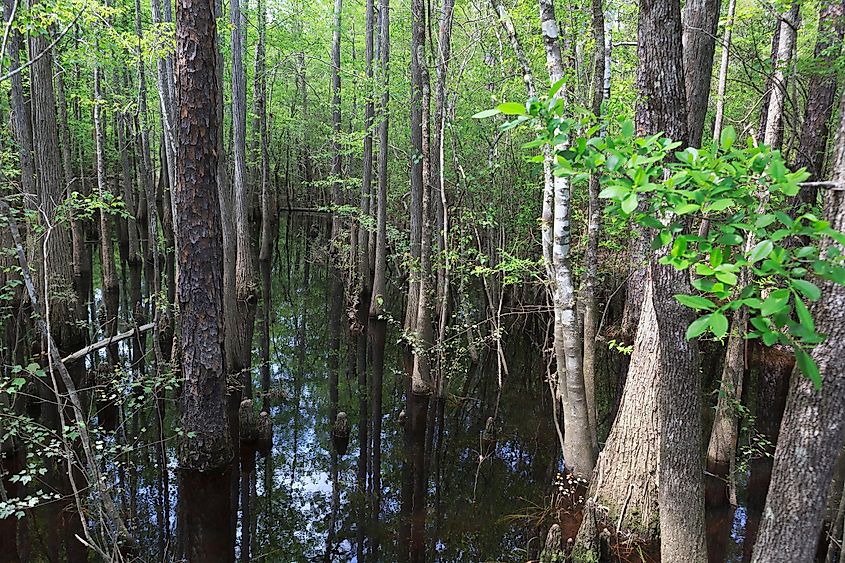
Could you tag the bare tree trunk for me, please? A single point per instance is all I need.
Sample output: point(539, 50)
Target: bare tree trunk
point(336, 123)
point(723, 71)
point(773, 132)
point(813, 425)
point(377, 323)
point(821, 97)
point(601, 68)
point(206, 456)
point(701, 21)
point(579, 454)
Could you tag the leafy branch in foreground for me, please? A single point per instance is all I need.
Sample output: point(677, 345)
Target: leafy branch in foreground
point(749, 253)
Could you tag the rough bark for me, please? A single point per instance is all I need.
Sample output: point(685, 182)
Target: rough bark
point(813, 427)
point(821, 97)
point(662, 106)
point(206, 457)
point(625, 482)
point(701, 20)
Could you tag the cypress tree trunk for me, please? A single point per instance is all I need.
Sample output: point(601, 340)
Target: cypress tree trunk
point(813, 425)
point(377, 323)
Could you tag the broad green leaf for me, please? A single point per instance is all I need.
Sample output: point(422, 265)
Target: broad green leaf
point(808, 289)
point(627, 128)
point(718, 324)
point(764, 220)
point(487, 113)
point(698, 326)
point(695, 302)
point(556, 87)
point(760, 251)
point(773, 304)
point(727, 138)
point(720, 204)
point(685, 208)
point(511, 108)
point(726, 277)
point(808, 367)
point(613, 192)
point(629, 204)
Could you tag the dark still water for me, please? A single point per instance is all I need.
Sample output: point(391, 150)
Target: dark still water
point(489, 448)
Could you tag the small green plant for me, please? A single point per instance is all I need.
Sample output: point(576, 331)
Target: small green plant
point(620, 347)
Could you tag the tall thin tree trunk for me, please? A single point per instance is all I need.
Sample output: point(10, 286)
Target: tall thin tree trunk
point(579, 453)
point(723, 71)
point(601, 62)
point(773, 132)
point(377, 323)
point(206, 456)
point(701, 21)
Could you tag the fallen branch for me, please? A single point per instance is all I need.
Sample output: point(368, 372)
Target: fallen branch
point(106, 343)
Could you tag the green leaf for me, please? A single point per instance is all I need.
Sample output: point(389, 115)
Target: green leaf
point(698, 326)
point(718, 324)
point(760, 251)
point(695, 302)
point(685, 208)
point(511, 108)
point(627, 128)
point(720, 204)
point(808, 289)
point(613, 192)
point(804, 316)
point(726, 277)
point(727, 138)
point(808, 367)
point(487, 113)
point(556, 87)
point(777, 170)
point(774, 303)
point(764, 220)
point(629, 204)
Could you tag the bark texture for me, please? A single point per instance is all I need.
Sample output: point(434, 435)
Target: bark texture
point(661, 106)
point(821, 97)
point(701, 20)
point(813, 426)
point(206, 456)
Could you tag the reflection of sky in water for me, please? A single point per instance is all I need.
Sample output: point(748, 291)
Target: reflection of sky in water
point(473, 524)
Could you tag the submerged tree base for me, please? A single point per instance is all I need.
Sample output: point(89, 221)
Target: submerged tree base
point(204, 515)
